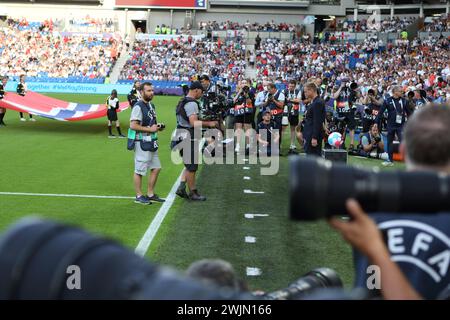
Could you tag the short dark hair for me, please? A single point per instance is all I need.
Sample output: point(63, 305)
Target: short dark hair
point(271, 85)
point(204, 77)
point(214, 271)
point(427, 141)
point(293, 82)
point(149, 84)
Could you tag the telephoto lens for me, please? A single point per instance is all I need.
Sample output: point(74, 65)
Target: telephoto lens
point(320, 188)
point(316, 279)
point(37, 259)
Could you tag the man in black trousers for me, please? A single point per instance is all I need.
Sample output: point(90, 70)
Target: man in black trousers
point(313, 121)
point(397, 113)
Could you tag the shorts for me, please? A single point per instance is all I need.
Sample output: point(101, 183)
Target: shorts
point(349, 120)
point(245, 118)
point(293, 120)
point(190, 162)
point(145, 160)
point(112, 115)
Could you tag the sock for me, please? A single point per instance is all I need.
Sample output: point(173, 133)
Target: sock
point(110, 131)
point(31, 116)
point(118, 130)
point(182, 185)
point(2, 115)
point(21, 114)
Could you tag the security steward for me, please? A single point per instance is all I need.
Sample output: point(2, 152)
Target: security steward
point(396, 106)
point(187, 142)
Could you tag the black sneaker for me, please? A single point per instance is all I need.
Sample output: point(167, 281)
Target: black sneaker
point(111, 136)
point(195, 196)
point(142, 200)
point(181, 192)
point(155, 198)
point(121, 136)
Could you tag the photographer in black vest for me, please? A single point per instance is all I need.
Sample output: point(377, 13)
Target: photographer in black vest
point(243, 112)
point(418, 243)
point(293, 98)
point(187, 113)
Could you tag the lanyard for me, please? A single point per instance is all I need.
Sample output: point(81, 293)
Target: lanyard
point(401, 106)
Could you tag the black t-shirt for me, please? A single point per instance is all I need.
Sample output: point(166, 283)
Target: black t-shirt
point(21, 89)
point(2, 91)
point(269, 127)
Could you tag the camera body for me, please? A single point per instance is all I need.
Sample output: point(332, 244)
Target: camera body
point(215, 104)
point(377, 139)
point(161, 126)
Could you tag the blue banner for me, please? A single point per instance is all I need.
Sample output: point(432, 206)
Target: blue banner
point(83, 88)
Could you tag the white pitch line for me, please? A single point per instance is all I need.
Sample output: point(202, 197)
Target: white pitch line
point(252, 271)
point(154, 226)
point(253, 215)
point(62, 195)
point(247, 178)
point(253, 192)
point(250, 239)
point(246, 168)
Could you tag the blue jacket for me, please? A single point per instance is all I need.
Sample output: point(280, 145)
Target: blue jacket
point(393, 107)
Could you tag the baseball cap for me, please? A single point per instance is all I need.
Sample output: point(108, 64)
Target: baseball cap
point(196, 85)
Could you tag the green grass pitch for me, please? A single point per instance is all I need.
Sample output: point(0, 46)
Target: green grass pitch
point(55, 157)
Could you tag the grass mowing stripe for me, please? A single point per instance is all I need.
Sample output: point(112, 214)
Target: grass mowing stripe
point(62, 195)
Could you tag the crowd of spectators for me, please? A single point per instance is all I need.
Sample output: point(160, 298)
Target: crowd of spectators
point(439, 24)
point(90, 24)
point(249, 26)
point(394, 24)
point(420, 63)
point(182, 58)
point(39, 52)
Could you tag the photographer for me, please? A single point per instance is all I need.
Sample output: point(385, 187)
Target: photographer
point(243, 113)
point(187, 119)
point(345, 97)
point(362, 233)
point(260, 101)
point(371, 144)
point(418, 242)
point(135, 94)
point(143, 121)
point(292, 101)
point(275, 104)
point(372, 104)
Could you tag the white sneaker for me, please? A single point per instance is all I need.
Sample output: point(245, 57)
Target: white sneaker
point(387, 164)
point(23, 119)
point(293, 147)
point(33, 119)
point(238, 147)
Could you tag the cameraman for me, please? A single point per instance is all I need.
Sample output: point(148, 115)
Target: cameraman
point(293, 98)
point(243, 112)
point(187, 119)
point(371, 144)
point(209, 89)
point(372, 104)
point(134, 95)
point(345, 96)
point(418, 242)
